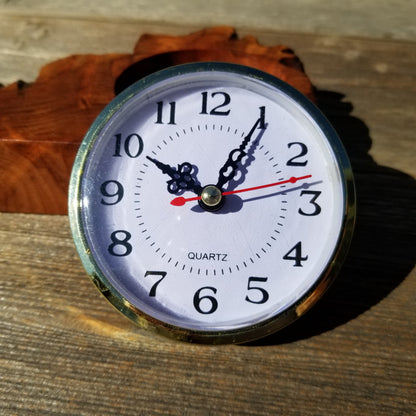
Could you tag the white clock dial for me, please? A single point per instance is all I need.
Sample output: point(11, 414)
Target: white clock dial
point(213, 201)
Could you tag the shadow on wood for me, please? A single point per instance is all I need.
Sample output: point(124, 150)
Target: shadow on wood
point(382, 253)
point(288, 68)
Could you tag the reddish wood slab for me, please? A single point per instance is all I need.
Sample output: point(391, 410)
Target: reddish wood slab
point(43, 123)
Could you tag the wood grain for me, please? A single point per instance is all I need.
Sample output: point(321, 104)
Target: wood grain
point(365, 18)
point(65, 350)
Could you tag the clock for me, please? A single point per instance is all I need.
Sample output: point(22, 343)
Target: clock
point(212, 202)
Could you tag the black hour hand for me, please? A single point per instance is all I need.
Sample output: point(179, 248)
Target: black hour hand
point(182, 178)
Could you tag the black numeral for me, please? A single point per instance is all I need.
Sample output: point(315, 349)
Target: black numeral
point(316, 208)
point(264, 294)
point(262, 117)
point(159, 118)
point(112, 192)
point(303, 152)
point(120, 247)
point(226, 99)
point(297, 256)
point(205, 304)
point(156, 284)
point(132, 145)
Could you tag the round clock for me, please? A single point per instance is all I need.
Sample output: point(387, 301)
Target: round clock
point(212, 202)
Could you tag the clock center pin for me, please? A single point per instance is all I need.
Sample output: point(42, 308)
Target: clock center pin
point(211, 198)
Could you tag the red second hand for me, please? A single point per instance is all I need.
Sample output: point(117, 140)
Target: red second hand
point(180, 200)
point(291, 180)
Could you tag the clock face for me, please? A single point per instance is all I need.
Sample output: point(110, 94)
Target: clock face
point(211, 201)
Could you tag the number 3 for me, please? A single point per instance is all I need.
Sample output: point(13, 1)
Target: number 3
point(317, 208)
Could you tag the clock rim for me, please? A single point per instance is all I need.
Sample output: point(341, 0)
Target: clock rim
point(242, 334)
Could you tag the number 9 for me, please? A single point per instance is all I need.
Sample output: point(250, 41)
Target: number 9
point(111, 189)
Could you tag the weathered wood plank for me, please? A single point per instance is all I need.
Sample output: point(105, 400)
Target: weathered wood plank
point(368, 18)
point(28, 43)
point(65, 350)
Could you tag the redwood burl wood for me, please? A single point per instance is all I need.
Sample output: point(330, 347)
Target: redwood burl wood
point(42, 123)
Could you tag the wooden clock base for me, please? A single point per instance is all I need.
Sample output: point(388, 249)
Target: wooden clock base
point(43, 123)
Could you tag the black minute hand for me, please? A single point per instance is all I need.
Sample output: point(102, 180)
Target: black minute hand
point(181, 178)
point(228, 171)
